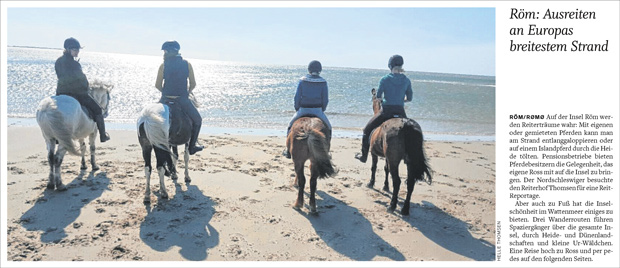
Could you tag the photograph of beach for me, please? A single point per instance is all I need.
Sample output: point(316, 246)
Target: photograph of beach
point(239, 203)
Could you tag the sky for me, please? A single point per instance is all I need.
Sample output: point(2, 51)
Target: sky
point(446, 40)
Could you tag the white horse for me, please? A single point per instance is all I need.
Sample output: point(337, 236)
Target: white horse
point(161, 128)
point(62, 120)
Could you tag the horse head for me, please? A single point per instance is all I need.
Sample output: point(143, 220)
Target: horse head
point(376, 102)
point(100, 92)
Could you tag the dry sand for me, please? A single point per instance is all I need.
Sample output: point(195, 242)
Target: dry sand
point(238, 206)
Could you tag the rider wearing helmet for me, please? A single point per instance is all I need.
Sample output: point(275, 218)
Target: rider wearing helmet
point(311, 98)
point(172, 81)
point(397, 89)
point(72, 82)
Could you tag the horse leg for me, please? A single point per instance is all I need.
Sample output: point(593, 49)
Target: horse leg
point(162, 186)
point(83, 152)
point(91, 143)
point(386, 184)
point(314, 174)
point(186, 159)
point(146, 154)
point(393, 166)
point(301, 183)
point(162, 158)
point(51, 147)
point(60, 154)
point(373, 171)
point(410, 184)
point(172, 167)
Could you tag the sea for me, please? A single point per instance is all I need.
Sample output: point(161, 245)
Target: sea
point(257, 99)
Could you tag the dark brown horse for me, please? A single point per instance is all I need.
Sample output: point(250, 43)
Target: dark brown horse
point(310, 139)
point(398, 139)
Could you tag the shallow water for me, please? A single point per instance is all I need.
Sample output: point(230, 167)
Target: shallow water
point(252, 98)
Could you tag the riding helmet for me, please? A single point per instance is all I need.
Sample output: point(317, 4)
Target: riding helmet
point(171, 45)
point(315, 67)
point(396, 60)
point(71, 43)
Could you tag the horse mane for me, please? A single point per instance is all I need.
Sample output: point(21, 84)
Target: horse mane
point(376, 102)
point(97, 85)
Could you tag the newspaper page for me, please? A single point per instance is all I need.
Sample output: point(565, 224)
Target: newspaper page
point(518, 104)
point(557, 161)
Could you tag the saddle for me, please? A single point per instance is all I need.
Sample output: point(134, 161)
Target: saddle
point(79, 100)
point(88, 113)
point(180, 123)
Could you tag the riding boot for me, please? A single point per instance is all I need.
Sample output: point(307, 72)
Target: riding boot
point(286, 152)
point(365, 147)
point(103, 136)
point(192, 142)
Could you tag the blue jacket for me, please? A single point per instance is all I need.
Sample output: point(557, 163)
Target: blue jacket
point(395, 87)
point(176, 72)
point(311, 93)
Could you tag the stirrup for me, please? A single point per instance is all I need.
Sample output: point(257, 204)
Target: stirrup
point(286, 153)
point(195, 149)
point(361, 157)
point(105, 138)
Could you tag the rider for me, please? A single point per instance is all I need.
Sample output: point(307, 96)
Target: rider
point(397, 89)
point(311, 98)
point(72, 82)
point(172, 80)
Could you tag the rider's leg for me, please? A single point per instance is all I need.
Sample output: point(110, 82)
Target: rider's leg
point(296, 116)
point(374, 122)
point(194, 115)
point(321, 115)
point(95, 109)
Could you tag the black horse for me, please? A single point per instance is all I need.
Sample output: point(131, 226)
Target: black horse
point(163, 127)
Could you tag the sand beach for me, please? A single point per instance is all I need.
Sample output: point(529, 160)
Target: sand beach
point(238, 206)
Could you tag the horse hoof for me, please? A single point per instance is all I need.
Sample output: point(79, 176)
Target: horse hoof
point(83, 167)
point(51, 186)
point(297, 206)
point(405, 211)
point(61, 188)
point(95, 167)
point(188, 179)
point(147, 200)
point(164, 196)
point(370, 185)
point(174, 177)
point(386, 188)
point(391, 210)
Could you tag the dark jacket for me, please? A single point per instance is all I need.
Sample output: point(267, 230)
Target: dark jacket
point(311, 93)
point(71, 79)
point(176, 72)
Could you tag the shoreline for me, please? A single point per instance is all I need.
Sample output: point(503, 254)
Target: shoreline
point(238, 206)
point(212, 130)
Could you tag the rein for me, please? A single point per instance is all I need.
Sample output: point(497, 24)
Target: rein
point(107, 105)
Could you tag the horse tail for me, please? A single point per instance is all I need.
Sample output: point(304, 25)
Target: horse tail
point(52, 124)
point(156, 123)
point(317, 144)
point(414, 147)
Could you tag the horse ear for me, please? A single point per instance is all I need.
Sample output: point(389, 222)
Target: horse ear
point(373, 91)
